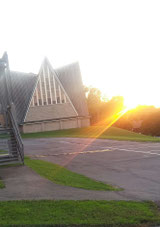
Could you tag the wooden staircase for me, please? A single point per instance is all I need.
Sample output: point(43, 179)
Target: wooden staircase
point(11, 145)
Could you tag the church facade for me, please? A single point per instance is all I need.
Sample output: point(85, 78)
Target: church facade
point(52, 100)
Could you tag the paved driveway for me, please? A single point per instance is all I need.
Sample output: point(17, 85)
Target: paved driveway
point(133, 166)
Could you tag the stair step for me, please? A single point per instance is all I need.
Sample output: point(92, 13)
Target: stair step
point(13, 143)
point(5, 130)
point(10, 162)
point(10, 141)
point(8, 157)
point(14, 152)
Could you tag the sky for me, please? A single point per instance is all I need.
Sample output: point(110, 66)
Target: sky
point(117, 43)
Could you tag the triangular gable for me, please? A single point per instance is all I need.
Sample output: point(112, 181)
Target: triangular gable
point(49, 90)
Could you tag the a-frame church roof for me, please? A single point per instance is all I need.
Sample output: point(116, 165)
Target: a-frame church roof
point(70, 77)
point(23, 86)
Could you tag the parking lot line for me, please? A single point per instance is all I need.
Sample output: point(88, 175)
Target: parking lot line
point(143, 152)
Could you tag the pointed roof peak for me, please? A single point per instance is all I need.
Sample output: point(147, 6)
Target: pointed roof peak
point(5, 56)
point(46, 60)
point(44, 63)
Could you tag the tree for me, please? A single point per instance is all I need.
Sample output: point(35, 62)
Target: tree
point(102, 109)
point(94, 104)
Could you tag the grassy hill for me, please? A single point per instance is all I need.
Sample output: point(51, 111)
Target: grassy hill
point(101, 132)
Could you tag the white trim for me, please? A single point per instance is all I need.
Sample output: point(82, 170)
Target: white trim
point(56, 76)
point(54, 85)
point(45, 89)
point(60, 97)
point(40, 85)
point(49, 84)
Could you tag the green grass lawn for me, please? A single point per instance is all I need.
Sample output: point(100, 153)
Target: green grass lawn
point(2, 185)
point(95, 132)
point(71, 213)
point(63, 176)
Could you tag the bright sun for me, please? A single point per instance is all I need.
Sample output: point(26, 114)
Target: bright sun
point(130, 103)
point(133, 95)
point(133, 102)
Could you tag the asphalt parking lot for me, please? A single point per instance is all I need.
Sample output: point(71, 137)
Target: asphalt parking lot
point(133, 166)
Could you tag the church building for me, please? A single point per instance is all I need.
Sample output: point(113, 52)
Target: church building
point(52, 100)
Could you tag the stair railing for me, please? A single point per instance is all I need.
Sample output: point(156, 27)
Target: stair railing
point(17, 134)
point(8, 108)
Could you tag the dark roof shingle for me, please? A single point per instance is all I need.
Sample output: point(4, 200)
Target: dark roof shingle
point(70, 77)
point(23, 85)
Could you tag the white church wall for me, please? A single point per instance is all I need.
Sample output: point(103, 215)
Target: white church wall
point(55, 125)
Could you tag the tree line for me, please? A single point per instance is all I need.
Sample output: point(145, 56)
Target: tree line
point(149, 117)
point(101, 109)
point(112, 111)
